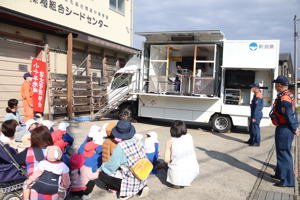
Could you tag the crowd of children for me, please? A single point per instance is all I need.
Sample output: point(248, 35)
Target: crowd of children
point(107, 154)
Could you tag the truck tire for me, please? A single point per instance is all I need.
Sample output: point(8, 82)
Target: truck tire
point(128, 111)
point(221, 123)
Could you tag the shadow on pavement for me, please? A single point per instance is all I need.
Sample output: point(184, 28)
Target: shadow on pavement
point(235, 163)
point(228, 137)
point(162, 176)
point(264, 163)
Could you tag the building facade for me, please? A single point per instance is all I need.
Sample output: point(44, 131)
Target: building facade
point(101, 39)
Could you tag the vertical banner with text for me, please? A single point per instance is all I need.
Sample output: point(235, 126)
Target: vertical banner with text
point(39, 73)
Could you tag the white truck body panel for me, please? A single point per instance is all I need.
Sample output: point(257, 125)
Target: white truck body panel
point(260, 56)
point(183, 108)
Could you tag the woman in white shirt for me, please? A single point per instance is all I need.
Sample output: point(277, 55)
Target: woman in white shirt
point(180, 155)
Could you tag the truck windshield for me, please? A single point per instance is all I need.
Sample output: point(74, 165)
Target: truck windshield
point(121, 80)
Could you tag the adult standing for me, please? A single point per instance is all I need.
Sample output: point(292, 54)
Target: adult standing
point(256, 106)
point(284, 116)
point(26, 93)
point(127, 152)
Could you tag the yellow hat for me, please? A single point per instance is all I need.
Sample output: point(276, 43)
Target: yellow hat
point(109, 128)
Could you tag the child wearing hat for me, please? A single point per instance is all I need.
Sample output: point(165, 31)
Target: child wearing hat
point(49, 124)
point(63, 140)
point(82, 177)
point(92, 150)
point(30, 125)
point(46, 179)
point(151, 149)
point(109, 143)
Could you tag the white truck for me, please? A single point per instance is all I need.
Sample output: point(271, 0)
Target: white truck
point(195, 76)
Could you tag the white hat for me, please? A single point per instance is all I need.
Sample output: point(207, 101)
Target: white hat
point(29, 123)
point(47, 123)
point(94, 131)
point(103, 130)
point(153, 136)
point(63, 126)
point(150, 142)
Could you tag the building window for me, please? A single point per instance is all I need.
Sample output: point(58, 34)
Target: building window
point(117, 5)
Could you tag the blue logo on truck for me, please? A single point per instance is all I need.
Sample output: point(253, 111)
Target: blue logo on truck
point(253, 46)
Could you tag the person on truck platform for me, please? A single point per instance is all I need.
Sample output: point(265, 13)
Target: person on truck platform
point(284, 117)
point(256, 106)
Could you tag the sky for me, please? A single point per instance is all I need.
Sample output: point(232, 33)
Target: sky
point(237, 19)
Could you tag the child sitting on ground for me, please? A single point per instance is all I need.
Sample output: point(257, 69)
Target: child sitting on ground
point(109, 143)
point(63, 140)
point(30, 125)
point(92, 151)
point(82, 177)
point(151, 149)
point(46, 179)
point(49, 124)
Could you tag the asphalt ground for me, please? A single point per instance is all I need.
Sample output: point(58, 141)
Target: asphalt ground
point(229, 168)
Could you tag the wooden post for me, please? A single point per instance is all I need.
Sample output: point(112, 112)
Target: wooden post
point(70, 76)
point(194, 67)
point(167, 69)
point(104, 75)
point(89, 74)
point(47, 55)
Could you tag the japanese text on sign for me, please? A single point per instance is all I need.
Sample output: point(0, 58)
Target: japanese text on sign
point(38, 70)
point(81, 15)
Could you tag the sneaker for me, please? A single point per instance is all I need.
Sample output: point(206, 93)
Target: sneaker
point(85, 197)
point(145, 192)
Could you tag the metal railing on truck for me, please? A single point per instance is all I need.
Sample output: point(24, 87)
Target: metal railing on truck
point(115, 97)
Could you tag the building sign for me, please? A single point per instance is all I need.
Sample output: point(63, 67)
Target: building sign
point(38, 70)
point(85, 14)
point(93, 17)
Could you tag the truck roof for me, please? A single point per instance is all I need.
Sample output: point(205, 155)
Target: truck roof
point(183, 36)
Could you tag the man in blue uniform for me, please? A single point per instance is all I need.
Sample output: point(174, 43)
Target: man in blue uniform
point(284, 116)
point(256, 106)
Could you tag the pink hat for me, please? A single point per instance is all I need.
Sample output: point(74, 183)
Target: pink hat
point(90, 149)
point(77, 161)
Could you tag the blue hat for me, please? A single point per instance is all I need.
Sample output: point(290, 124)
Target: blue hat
point(254, 85)
point(281, 80)
point(27, 74)
point(124, 130)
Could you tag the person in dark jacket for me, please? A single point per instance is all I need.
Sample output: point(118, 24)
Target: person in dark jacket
point(256, 106)
point(284, 117)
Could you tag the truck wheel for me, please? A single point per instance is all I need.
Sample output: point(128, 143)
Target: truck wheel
point(127, 112)
point(221, 123)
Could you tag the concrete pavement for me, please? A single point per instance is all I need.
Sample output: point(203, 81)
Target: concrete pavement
point(229, 168)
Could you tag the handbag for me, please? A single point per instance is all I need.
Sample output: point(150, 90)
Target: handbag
point(142, 168)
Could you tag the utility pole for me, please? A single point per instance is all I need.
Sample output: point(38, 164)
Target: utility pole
point(296, 57)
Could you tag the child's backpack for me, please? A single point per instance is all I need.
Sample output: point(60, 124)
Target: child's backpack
point(47, 183)
point(142, 168)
